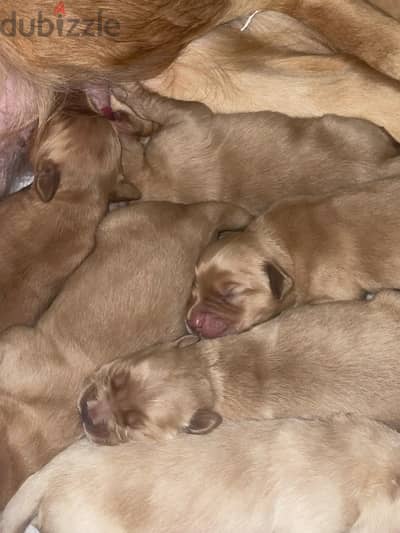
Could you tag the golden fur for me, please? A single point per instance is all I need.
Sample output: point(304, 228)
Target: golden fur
point(249, 159)
point(310, 362)
point(291, 476)
point(279, 64)
point(49, 228)
point(142, 267)
point(304, 249)
point(152, 34)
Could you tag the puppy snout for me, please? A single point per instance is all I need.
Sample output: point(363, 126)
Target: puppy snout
point(196, 319)
point(207, 324)
point(94, 413)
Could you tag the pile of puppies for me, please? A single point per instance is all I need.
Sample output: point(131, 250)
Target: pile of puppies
point(272, 241)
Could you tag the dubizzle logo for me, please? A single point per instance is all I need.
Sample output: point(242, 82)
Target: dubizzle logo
point(62, 26)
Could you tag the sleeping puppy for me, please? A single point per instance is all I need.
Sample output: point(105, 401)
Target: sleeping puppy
point(305, 249)
point(142, 267)
point(287, 475)
point(47, 47)
point(250, 159)
point(276, 63)
point(308, 362)
point(49, 229)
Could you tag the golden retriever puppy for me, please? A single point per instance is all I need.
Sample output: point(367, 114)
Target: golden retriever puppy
point(287, 475)
point(276, 63)
point(304, 249)
point(250, 159)
point(129, 293)
point(309, 362)
point(49, 228)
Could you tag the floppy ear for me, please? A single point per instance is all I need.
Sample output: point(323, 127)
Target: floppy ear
point(203, 421)
point(47, 180)
point(279, 281)
point(124, 191)
point(186, 340)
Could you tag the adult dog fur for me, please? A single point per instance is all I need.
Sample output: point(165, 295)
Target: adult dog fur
point(145, 38)
point(294, 476)
point(279, 64)
point(130, 291)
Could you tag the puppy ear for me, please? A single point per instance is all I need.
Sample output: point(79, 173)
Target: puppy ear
point(203, 421)
point(47, 180)
point(186, 340)
point(279, 281)
point(125, 191)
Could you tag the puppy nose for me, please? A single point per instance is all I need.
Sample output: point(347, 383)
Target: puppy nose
point(88, 395)
point(196, 320)
point(94, 413)
point(207, 324)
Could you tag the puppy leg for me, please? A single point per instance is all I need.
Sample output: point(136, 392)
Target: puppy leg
point(23, 507)
point(180, 133)
point(151, 106)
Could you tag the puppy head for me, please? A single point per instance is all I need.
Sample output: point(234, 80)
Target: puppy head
point(237, 285)
point(155, 393)
point(76, 151)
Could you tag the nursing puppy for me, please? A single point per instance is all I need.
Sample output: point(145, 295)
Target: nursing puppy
point(47, 46)
point(305, 249)
point(291, 476)
point(248, 159)
point(276, 63)
point(309, 362)
point(49, 228)
point(129, 293)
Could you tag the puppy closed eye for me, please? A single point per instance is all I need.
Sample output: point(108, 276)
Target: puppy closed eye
point(228, 292)
point(132, 418)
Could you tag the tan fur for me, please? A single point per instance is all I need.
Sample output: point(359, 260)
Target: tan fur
point(390, 7)
point(278, 64)
point(78, 159)
point(148, 38)
point(291, 476)
point(152, 34)
point(304, 249)
point(142, 267)
point(250, 159)
point(312, 362)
